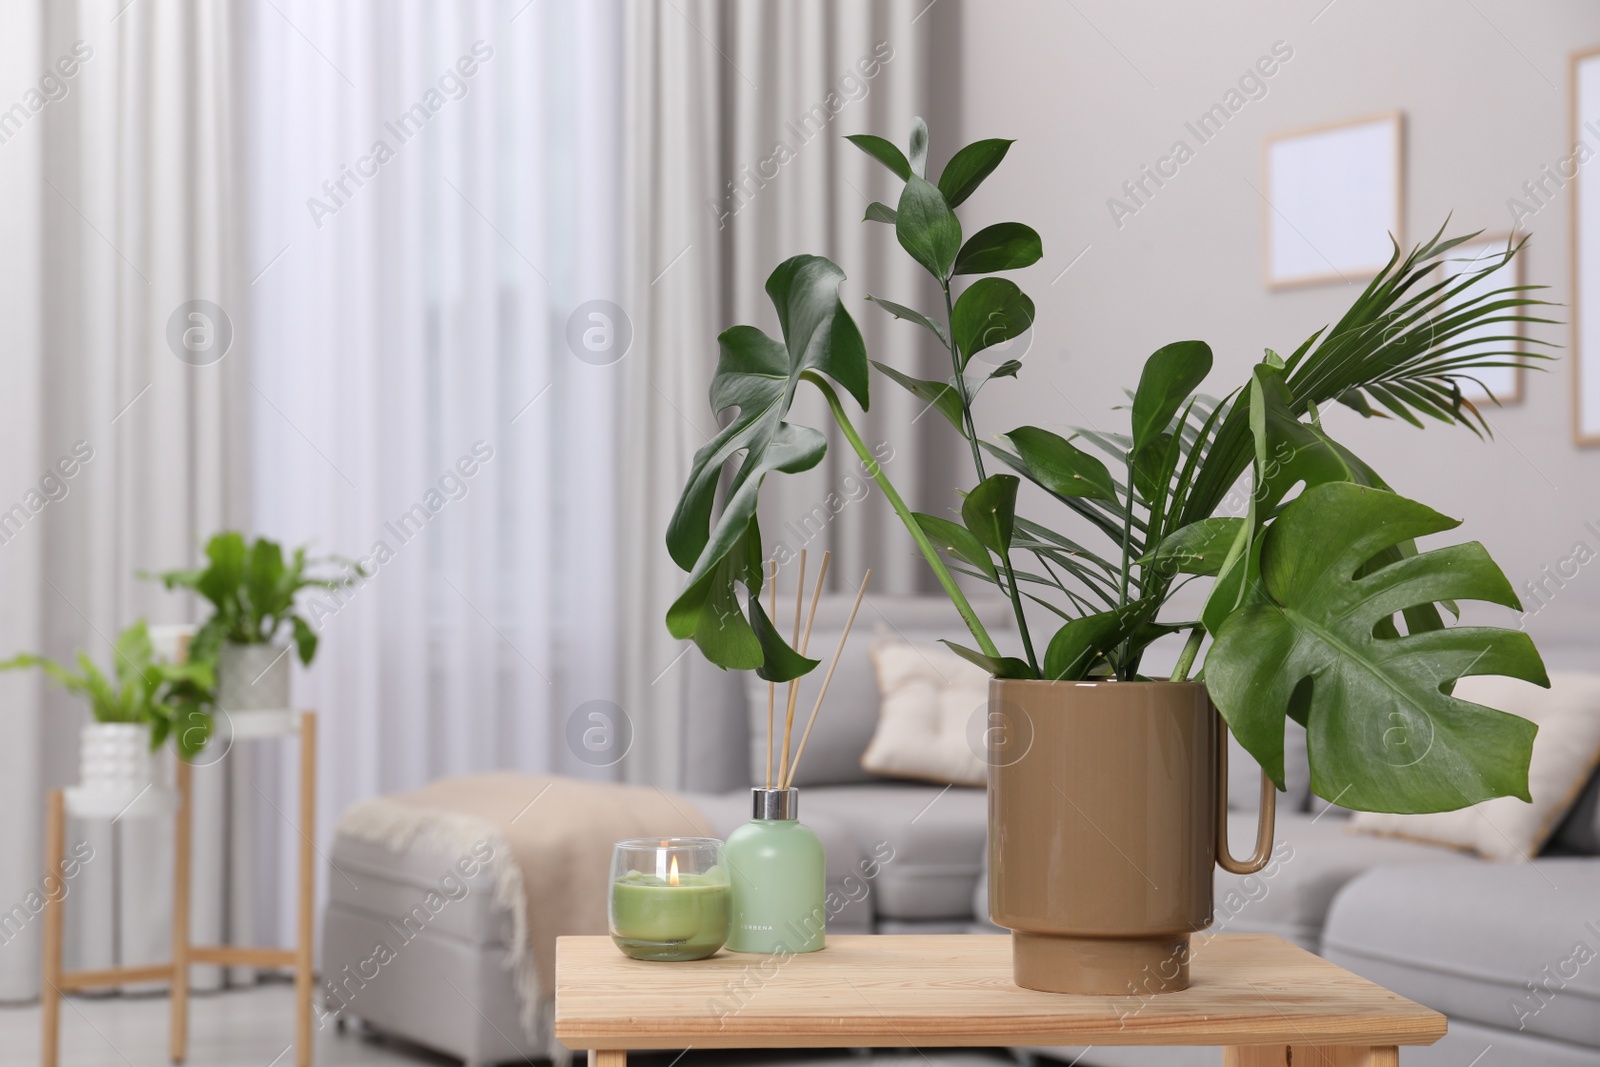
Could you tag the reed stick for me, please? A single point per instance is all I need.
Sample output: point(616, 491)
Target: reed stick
point(794, 684)
point(772, 687)
point(838, 654)
point(802, 647)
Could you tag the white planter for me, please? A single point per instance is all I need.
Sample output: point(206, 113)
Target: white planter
point(253, 690)
point(117, 773)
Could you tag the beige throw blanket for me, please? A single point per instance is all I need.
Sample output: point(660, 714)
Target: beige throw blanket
point(551, 839)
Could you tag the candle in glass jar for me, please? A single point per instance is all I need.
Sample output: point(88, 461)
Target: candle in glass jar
point(670, 914)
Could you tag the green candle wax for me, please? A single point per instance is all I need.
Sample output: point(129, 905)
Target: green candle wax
point(653, 919)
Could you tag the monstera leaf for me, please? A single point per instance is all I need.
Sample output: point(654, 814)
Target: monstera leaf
point(1384, 731)
point(757, 377)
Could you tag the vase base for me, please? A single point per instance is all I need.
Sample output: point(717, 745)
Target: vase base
point(1100, 966)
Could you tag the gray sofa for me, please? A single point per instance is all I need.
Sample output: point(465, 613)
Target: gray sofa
point(1470, 938)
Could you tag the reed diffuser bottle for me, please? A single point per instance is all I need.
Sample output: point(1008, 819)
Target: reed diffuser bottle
point(778, 867)
point(779, 874)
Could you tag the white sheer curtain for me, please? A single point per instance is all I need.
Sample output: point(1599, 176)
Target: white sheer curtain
point(118, 172)
point(435, 198)
point(737, 161)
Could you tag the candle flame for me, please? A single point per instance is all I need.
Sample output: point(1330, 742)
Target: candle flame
point(672, 872)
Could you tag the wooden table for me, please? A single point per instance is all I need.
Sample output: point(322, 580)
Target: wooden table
point(1265, 1001)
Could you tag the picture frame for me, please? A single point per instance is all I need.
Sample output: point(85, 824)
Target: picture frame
point(1584, 110)
point(1335, 195)
point(1504, 384)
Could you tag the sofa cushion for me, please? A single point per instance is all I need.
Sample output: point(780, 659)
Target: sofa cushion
point(1513, 946)
point(1313, 858)
point(930, 841)
point(850, 715)
point(930, 701)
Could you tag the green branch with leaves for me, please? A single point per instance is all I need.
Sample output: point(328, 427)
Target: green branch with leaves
point(173, 699)
point(253, 591)
point(1322, 609)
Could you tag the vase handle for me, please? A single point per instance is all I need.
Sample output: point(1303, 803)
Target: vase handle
point(1265, 820)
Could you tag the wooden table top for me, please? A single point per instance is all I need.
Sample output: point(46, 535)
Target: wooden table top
point(910, 990)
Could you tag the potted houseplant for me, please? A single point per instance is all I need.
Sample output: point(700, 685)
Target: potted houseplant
point(1322, 612)
point(253, 592)
point(138, 706)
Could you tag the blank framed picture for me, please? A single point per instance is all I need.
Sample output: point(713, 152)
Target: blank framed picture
point(1334, 196)
point(1503, 383)
point(1585, 256)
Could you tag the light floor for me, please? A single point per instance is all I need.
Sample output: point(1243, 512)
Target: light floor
point(253, 1028)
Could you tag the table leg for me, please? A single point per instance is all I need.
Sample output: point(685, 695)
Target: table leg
point(1311, 1056)
point(608, 1057)
point(55, 832)
point(179, 1037)
point(304, 989)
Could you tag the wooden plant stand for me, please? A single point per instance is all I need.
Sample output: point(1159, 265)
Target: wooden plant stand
point(58, 981)
point(1266, 1002)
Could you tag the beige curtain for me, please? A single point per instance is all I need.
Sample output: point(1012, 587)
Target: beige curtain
point(118, 166)
point(736, 161)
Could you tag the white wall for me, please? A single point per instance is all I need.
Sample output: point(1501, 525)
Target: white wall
point(1093, 90)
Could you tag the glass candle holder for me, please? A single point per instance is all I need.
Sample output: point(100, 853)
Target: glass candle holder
point(669, 898)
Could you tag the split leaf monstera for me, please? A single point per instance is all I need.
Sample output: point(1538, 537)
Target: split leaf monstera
point(1322, 608)
point(1318, 620)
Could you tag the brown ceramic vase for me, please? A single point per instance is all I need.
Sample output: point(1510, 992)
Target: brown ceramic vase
point(1105, 802)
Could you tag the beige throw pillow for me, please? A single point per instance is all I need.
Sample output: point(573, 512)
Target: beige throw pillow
point(930, 698)
point(1565, 752)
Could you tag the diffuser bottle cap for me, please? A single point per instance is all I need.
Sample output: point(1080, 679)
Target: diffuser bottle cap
point(775, 803)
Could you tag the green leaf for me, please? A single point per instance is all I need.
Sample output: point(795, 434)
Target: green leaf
point(1078, 644)
point(956, 540)
point(104, 699)
point(1153, 464)
point(990, 511)
point(1008, 369)
point(779, 662)
point(879, 212)
point(919, 147)
point(1060, 466)
point(708, 610)
point(133, 653)
point(1383, 731)
point(1198, 548)
point(1170, 375)
point(191, 729)
point(968, 167)
point(72, 683)
point(927, 228)
point(940, 395)
point(883, 151)
point(991, 312)
point(305, 640)
point(264, 582)
point(221, 581)
point(900, 311)
point(757, 376)
point(1003, 246)
point(1288, 453)
point(999, 666)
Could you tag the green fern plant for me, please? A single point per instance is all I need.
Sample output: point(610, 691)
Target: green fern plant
point(172, 698)
point(253, 592)
point(1321, 607)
